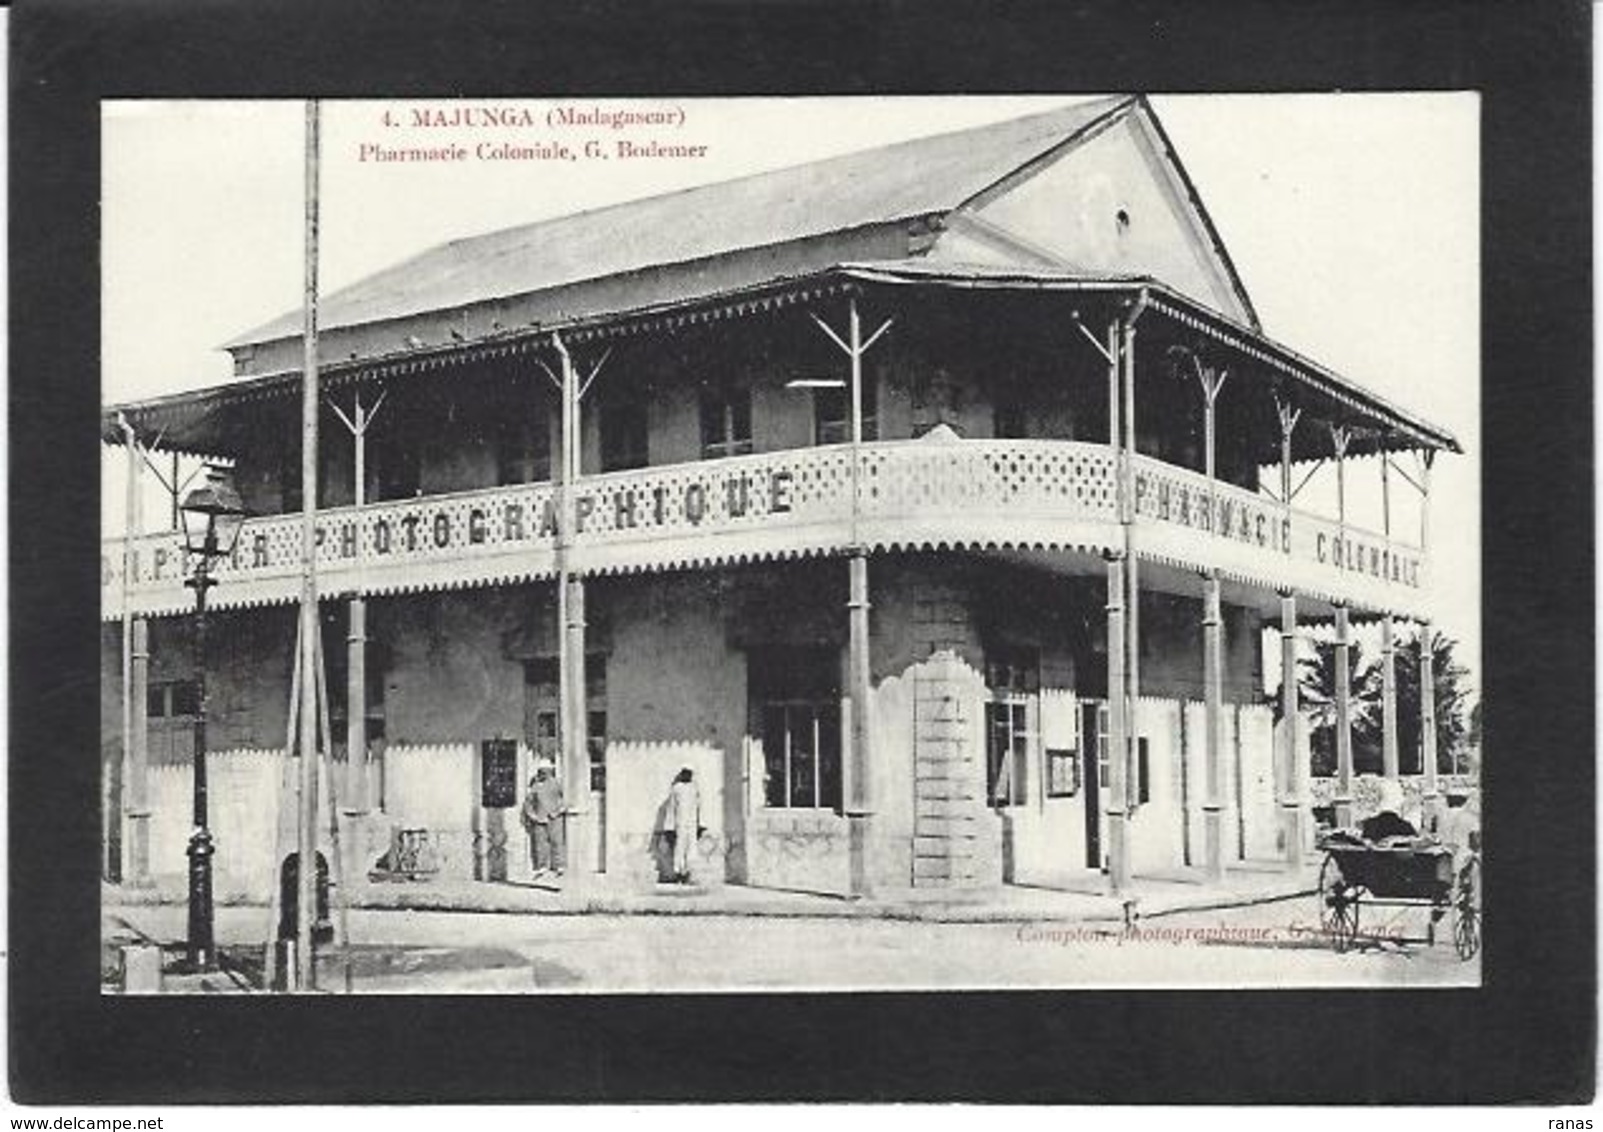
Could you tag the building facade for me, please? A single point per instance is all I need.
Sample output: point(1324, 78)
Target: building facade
point(930, 503)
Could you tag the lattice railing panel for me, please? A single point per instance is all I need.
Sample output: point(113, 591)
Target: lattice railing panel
point(955, 493)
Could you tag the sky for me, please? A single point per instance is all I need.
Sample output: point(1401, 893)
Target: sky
point(1352, 219)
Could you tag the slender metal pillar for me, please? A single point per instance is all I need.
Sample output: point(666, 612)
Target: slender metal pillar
point(1427, 723)
point(356, 786)
point(1292, 771)
point(1213, 700)
point(1344, 722)
point(859, 783)
point(1391, 764)
point(356, 709)
point(857, 786)
point(136, 799)
point(572, 719)
point(859, 800)
point(1132, 585)
point(581, 845)
point(1116, 805)
point(135, 802)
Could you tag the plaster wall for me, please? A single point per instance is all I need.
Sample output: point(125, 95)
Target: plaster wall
point(1073, 210)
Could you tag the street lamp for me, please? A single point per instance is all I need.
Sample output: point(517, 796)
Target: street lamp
point(212, 515)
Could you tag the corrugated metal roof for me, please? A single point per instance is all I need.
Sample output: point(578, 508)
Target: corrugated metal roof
point(920, 177)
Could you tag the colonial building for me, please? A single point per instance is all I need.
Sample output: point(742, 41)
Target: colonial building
point(930, 502)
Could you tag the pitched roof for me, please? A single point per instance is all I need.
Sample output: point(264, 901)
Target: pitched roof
point(921, 177)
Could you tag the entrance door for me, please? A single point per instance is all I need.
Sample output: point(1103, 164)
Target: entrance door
point(541, 704)
point(1093, 753)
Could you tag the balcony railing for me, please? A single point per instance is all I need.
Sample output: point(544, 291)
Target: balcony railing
point(1052, 495)
point(1187, 520)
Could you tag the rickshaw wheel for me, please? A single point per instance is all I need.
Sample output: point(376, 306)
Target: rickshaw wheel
point(1467, 911)
point(1338, 905)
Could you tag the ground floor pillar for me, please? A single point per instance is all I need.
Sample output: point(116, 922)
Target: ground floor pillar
point(136, 784)
point(1213, 749)
point(1344, 722)
point(356, 710)
point(859, 800)
point(1116, 806)
point(1390, 764)
point(573, 725)
point(355, 803)
point(1292, 772)
point(1427, 725)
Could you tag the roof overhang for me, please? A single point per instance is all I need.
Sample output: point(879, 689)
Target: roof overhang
point(191, 421)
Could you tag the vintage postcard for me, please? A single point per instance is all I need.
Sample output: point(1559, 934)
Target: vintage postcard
point(707, 545)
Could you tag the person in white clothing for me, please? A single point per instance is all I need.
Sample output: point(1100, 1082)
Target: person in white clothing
point(682, 822)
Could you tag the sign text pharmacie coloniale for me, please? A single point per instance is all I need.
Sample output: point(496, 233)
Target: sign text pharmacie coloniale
point(1269, 525)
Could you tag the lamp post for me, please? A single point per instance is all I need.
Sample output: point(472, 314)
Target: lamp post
point(212, 516)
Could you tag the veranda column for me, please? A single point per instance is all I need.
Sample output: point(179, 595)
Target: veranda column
point(1116, 806)
point(571, 716)
point(575, 742)
point(356, 709)
point(136, 799)
point(1427, 723)
point(1390, 764)
point(1132, 580)
point(1213, 697)
point(1344, 723)
point(1291, 768)
point(135, 803)
point(859, 803)
point(356, 785)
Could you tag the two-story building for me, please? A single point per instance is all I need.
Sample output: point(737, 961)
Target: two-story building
point(931, 503)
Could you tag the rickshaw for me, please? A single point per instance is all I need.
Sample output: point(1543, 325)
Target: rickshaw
point(1398, 872)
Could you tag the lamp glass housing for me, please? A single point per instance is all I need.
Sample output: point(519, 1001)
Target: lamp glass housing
point(213, 515)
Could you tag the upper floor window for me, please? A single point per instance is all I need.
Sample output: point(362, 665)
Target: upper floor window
point(725, 422)
point(289, 478)
point(1009, 422)
point(523, 449)
point(395, 467)
point(832, 414)
point(623, 436)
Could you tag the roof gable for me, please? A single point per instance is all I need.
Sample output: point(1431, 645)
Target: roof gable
point(921, 177)
point(1112, 200)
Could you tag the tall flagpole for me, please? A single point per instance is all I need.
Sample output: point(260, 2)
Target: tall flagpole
point(306, 872)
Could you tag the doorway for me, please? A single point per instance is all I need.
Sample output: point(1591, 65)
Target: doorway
point(1094, 752)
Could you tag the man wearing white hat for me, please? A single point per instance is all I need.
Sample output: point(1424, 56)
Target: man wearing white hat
point(543, 816)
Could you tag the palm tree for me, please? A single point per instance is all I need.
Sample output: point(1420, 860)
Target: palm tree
point(1316, 689)
point(1453, 715)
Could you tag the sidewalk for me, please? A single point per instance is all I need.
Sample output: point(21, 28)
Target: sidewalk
point(1072, 899)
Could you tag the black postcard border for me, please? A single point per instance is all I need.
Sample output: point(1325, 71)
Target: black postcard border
point(1528, 1035)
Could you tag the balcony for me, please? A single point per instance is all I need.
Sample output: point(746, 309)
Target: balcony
point(924, 494)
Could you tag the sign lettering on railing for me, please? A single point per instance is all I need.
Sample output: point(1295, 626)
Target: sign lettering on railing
point(799, 499)
point(1245, 519)
point(1182, 498)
